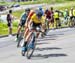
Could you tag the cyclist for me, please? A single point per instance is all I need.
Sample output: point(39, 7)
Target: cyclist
point(48, 16)
point(37, 20)
point(23, 20)
point(40, 9)
point(72, 15)
point(52, 18)
point(66, 15)
point(27, 22)
point(56, 18)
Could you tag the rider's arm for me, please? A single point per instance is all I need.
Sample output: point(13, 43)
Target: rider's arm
point(26, 24)
point(29, 17)
point(29, 24)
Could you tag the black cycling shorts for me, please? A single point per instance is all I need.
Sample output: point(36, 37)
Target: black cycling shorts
point(9, 24)
point(22, 23)
point(71, 17)
point(56, 18)
point(34, 25)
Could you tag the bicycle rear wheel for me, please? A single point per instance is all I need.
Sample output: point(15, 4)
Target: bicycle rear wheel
point(19, 39)
point(30, 47)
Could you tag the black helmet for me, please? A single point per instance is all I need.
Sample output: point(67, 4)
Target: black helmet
point(47, 10)
point(39, 13)
point(40, 8)
point(51, 8)
point(10, 11)
point(28, 9)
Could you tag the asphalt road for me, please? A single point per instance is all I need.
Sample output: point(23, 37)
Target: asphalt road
point(57, 47)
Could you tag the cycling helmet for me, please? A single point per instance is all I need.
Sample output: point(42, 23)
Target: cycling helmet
point(28, 9)
point(51, 8)
point(10, 11)
point(39, 13)
point(40, 8)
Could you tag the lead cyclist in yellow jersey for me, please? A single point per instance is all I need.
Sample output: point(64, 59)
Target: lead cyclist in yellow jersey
point(37, 20)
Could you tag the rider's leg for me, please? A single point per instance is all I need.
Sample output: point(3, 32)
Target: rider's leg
point(10, 30)
point(26, 32)
point(59, 23)
point(37, 34)
point(48, 24)
point(26, 39)
point(28, 36)
point(53, 22)
point(19, 29)
point(56, 23)
point(43, 29)
point(69, 21)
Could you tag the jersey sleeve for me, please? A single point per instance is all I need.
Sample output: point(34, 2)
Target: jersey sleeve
point(33, 17)
point(30, 15)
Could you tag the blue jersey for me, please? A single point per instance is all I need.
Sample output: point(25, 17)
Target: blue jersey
point(23, 17)
point(40, 9)
point(42, 12)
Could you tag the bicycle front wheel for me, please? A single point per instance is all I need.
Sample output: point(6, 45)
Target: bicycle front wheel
point(31, 46)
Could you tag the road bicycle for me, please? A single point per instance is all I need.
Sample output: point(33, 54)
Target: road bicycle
point(32, 41)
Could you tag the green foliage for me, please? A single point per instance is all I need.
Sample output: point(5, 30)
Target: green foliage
point(63, 8)
point(4, 28)
point(30, 2)
point(15, 24)
point(3, 25)
point(18, 13)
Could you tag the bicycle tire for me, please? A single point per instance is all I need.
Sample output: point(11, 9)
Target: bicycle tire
point(19, 39)
point(30, 50)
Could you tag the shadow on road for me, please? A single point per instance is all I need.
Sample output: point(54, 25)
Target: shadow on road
point(55, 34)
point(44, 56)
point(45, 39)
point(50, 37)
point(41, 43)
point(49, 55)
point(47, 48)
